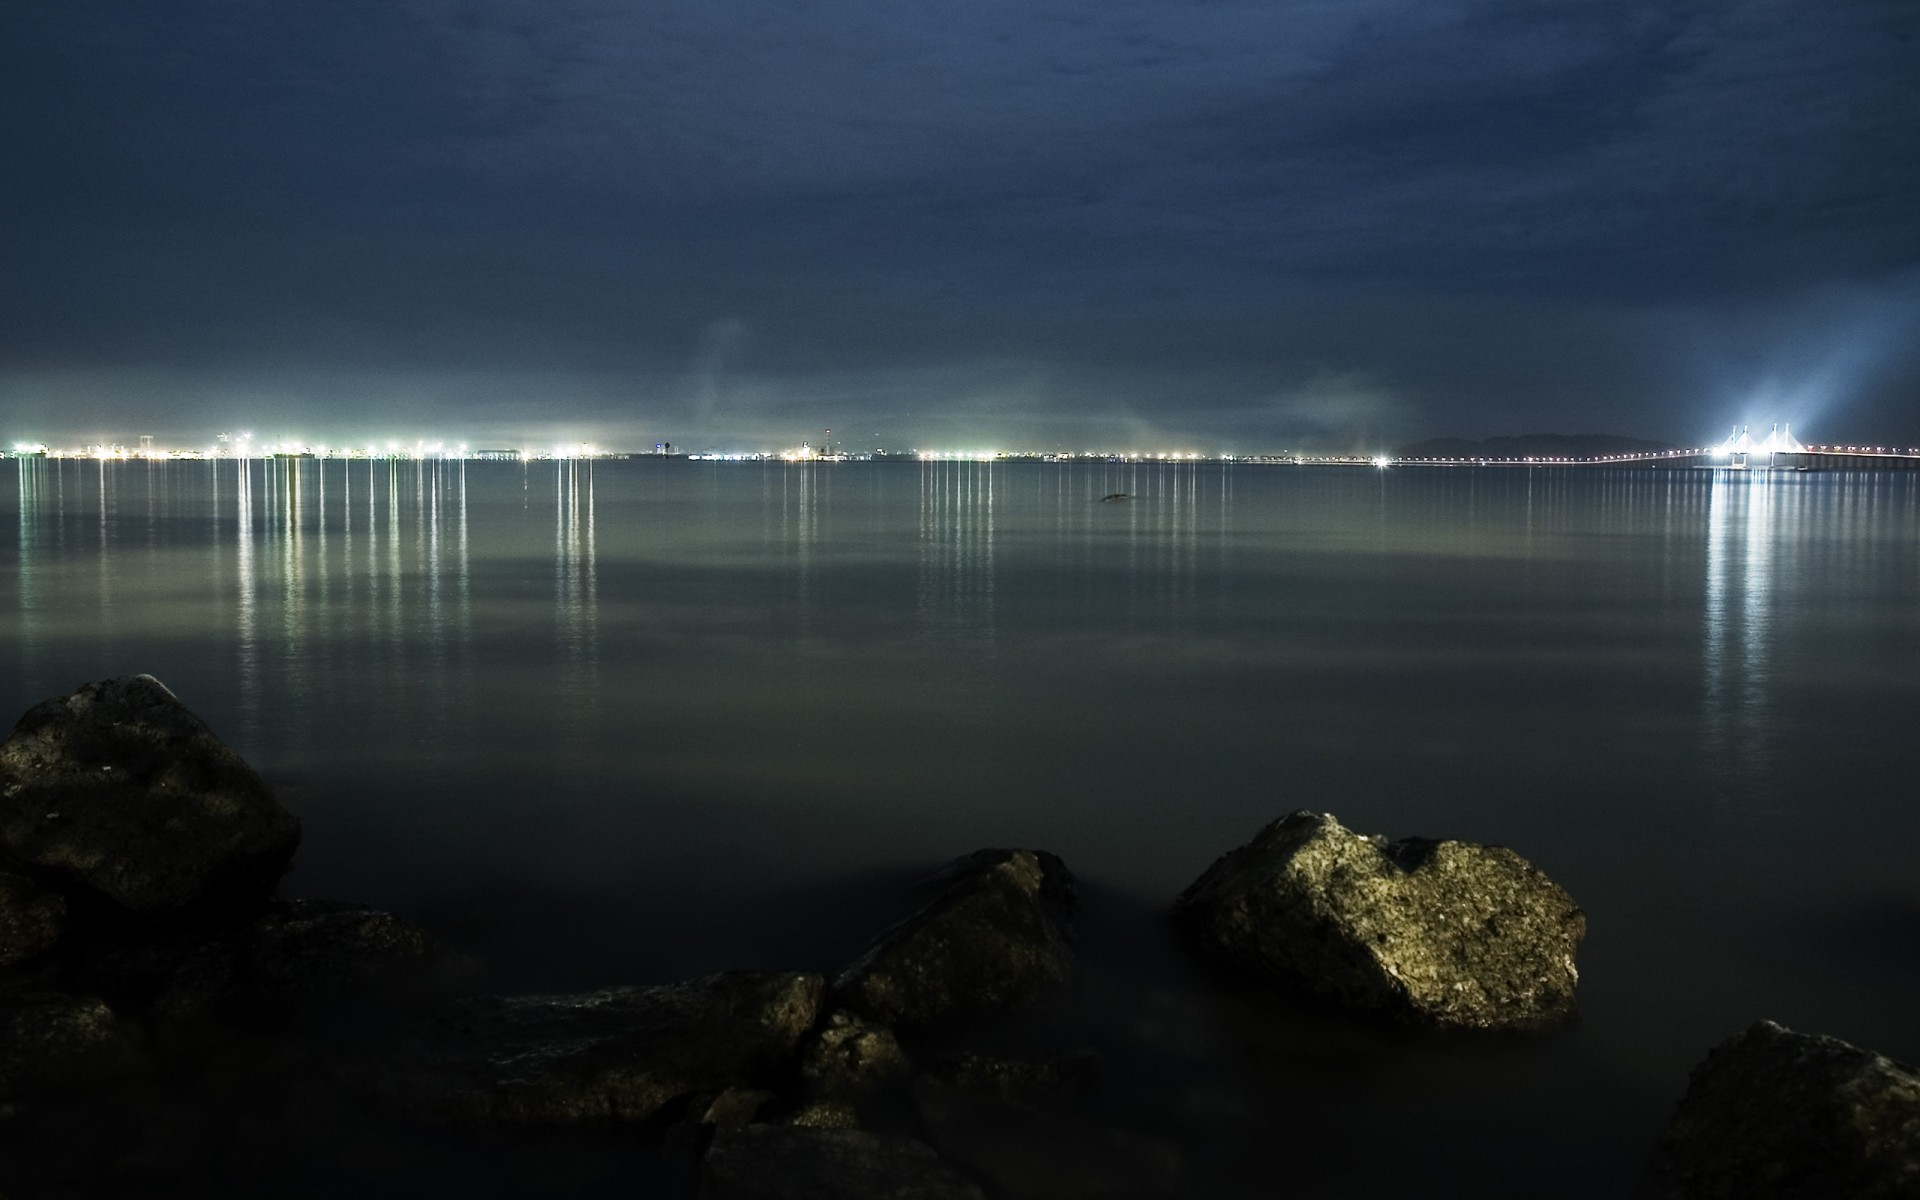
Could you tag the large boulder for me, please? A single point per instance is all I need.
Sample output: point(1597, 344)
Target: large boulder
point(791, 1162)
point(1773, 1114)
point(119, 789)
point(995, 939)
point(622, 1055)
point(1433, 933)
point(32, 918)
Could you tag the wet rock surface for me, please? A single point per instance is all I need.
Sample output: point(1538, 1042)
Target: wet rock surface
point(774, 1162)
point(621, 1055)
point(1436, 933)
point(50, 1042)
point(119, 789)
point(994, 940)
point(1772, 1114)
point(32, 919)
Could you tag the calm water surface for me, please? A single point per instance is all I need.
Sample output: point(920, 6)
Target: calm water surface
point(637, 720)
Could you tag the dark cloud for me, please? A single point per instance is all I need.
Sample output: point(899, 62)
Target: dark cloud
point(1218, 221)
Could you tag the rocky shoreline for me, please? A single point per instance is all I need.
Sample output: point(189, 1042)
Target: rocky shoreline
point(141, 944)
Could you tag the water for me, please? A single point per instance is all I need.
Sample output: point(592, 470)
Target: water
point(631, 721)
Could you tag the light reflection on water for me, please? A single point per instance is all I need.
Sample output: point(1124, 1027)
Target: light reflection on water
point(615, 685)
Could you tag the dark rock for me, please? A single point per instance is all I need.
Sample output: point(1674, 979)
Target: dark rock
point(1030, 1151)
point(734, 1107)
point(55, 1042)
point(1773, 1114)
point(849, 1057)
point(1068, 1073)
point(295, 953)
point(785, 1162)
point(119, 789)
point(1435, 933)
point(996, 939)
point(32, 919)
point(825, 1114)
point(613, 1056)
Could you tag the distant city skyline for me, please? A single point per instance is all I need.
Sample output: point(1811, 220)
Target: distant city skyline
point(1062, 223)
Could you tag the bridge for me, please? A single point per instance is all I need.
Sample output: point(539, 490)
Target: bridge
point(1778, 451)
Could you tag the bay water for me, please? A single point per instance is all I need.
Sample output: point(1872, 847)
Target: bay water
point(628, 721)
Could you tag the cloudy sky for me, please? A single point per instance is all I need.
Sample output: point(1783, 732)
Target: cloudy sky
point(1232, 225)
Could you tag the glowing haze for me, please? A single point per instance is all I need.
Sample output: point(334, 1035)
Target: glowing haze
point(1230, 225)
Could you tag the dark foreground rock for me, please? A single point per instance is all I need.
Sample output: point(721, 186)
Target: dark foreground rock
point(1436, 933)
point(1773, 1114)
point(118, 789)
point(784, 1162)
point(995, 940)
point(261, 973)
point(32, 919)
point(51, 1043)
point(620, 1055)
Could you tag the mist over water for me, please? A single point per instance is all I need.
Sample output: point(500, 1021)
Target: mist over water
point(626, 721)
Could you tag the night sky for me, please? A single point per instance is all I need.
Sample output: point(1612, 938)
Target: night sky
point(1023, 223)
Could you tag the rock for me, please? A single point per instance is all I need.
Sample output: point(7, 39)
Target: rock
point(1029, 1151)
point(849, 1057)
point(787, 1162)
point(32, 919)
point(119, 789)
point(1773, 1114)
point(1064, 1074)
point(55, 1042)
point(1435, 933)
point(297, 952)
point(825, 1114)
point(996, 939)
point(734, 1107)
point(615, 1056)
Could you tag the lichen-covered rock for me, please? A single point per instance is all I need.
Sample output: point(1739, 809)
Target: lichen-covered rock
point(994, 940)
point(1436, 933)
point(55, 1042)
point(119, 789)
point(793, 1162)
point(849, 1057)
point(296, 952)
point(1773, 1114)
point(32, 919)
point(620, 1055)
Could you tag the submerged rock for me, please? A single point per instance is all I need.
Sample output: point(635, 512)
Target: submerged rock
point(1773, 1114)
point(1437, 933)
point(994, 940)
point(1038, 1148)
point(613, 1056)
point(119, 789)
point(296, 952)
point(32, 919)
point(793, 1162)
point(55, 1042)
point(1064, 1074)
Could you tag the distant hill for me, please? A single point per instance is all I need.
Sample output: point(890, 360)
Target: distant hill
point(1532, 445)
